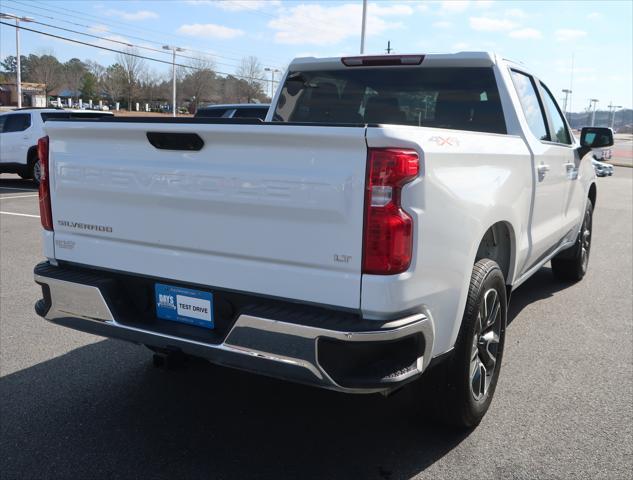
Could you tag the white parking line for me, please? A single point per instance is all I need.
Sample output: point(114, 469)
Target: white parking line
point(20, 196)
point(15, 188)
point(20, 214)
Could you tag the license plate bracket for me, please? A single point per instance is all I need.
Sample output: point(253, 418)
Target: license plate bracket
point(184, 305)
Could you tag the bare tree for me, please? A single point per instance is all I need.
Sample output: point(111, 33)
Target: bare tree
point(252, 72)
point(133, 68)
point(199, 84)
point(96, 69)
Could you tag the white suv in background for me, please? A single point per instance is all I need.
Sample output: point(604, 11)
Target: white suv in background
point(19, 131)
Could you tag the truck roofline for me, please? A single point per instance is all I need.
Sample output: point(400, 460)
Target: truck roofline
point(459, 59)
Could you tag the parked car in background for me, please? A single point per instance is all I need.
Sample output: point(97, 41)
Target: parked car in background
point(371, 229)
point(602, 169)
point(240, 110)
point(19, 131)
point(602, 154)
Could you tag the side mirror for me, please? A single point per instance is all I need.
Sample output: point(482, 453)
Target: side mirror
point(596, 137)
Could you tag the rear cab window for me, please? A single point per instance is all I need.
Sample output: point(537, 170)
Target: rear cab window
point(461, 98)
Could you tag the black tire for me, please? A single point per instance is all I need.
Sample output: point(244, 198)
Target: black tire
point(571, 265)
point(24, 173)
point(33, 169)
point(460, 399)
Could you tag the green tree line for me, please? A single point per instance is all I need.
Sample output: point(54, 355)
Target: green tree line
point(129, 80)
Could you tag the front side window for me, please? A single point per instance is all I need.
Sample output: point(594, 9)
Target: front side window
point(17, 122)
point(2, 120)
point(560, 133)
point(530, 104)
point(453, 97)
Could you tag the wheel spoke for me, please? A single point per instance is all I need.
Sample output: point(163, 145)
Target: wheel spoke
point(488, 348)
point(494, 315)
point(489, 303)
point(478, 380)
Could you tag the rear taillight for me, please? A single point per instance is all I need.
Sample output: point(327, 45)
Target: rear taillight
point(388, 235)
point(46, 214)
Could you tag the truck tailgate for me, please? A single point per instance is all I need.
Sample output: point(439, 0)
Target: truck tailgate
point(269, 209)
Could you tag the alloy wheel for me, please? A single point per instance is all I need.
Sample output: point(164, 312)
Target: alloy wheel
point(585, 241)
point(485, 345)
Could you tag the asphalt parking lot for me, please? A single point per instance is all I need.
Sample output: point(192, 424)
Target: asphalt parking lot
point(78, 406)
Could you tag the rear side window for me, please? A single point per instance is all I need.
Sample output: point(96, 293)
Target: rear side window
point(456, 98)
point(2, 120)
point(530, 104)
point(16, 122)
point(210, 112)
point(251, 113)
point(560, 133)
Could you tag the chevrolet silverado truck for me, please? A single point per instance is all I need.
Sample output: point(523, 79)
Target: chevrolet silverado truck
point(368, 233)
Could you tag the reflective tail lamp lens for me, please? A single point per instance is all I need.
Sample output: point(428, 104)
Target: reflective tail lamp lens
point(388, 232)
point(46, 214)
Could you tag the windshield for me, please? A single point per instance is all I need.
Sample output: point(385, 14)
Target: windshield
point(457, 98)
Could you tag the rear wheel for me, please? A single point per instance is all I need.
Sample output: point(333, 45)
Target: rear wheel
point(36, 171)
point(33, 168)
point(572, 264)
point(465, 384)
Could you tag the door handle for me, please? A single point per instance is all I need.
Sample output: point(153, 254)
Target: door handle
point(542, 169)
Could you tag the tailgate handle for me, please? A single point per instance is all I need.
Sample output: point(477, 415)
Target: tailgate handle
point(175, 141)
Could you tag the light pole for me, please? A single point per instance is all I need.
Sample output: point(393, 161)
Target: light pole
point(362, 28)
point(593, 101)
point(567, 93)
point(173, 96)
point(18, 73)
point(272, 81)
point(612, 110)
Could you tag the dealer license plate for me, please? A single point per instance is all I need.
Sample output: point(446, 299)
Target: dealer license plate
point(184, 305)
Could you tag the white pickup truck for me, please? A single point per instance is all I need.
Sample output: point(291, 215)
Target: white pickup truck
point(372, 228)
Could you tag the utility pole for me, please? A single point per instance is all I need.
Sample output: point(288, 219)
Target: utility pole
point(362, 30)
point(18, 72)
point(612, 110)
point(272, 80)
point(571, 84)
point(567, 93)
point(173, 71)
point(593, 101)
point(388, 49)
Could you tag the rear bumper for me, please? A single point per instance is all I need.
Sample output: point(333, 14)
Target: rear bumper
point(349, 360)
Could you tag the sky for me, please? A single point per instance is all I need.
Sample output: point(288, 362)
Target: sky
point(544, 35)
